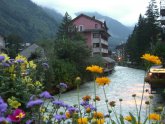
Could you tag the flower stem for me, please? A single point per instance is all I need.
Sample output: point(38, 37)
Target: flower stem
point(115, 115)
point(106, 101)
point(95, 93)
point(136, 107)
point(78, 99)
point(142, 100)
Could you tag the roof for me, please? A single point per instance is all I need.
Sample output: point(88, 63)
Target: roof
point(29, 50)
point(92, 18)
point(108, 59)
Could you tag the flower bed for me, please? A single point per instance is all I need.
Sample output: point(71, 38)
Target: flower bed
point(41, 107)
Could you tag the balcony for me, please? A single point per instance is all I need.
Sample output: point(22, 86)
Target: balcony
point(97, 40)
point(104, 42)
point(98, 50)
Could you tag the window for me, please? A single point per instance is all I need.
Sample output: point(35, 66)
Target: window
point(96, 35)
point(95, 45)
point(81, 27)
point(96, 26)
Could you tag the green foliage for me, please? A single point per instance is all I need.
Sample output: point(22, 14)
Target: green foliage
point(13, 45)
point(64, 72)
point(160, 50)
point(27, 20)
point(144, 35)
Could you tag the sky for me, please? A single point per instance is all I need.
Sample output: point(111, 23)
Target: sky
point(125, 11)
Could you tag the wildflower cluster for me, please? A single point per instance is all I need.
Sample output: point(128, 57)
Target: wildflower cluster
point(18, 75)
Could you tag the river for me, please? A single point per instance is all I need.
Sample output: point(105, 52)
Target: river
point(124, 82)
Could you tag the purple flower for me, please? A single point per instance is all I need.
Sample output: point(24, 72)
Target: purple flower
point(34, 103)
point(90, 106)
point(84, 103)
point(11, 61)
point(45, 65)
point(32, 97)
point(2, 58)
point(60, 117)
point(4, 120)
point(20, 61)
point(59, 103)
point(5, 64)
point(3, 106)
point(72, 109)
point(45, 94)
point(29, 121)
point(63, 85)
point(65, 105)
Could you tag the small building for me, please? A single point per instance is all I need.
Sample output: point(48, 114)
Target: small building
point(109, 64)
point(33, 52)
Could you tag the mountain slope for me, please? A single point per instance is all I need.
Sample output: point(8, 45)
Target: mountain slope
point(119, 32)
point(26, 19)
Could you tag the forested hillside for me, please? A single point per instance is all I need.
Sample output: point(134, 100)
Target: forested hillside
point(27, 20)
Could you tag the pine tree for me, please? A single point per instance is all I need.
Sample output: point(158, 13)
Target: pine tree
point(66, 28)
point(152, 23)
point(13, 45)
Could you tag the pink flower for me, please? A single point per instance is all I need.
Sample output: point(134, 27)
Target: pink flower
point(17, 115)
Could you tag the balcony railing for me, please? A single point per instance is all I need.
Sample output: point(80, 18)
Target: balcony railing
point(97, 40)
point(98, 50)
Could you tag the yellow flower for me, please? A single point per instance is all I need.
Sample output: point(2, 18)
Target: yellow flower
point(13, 102)
point(37, 83)
point(154, 116)
point(12, 69)
point(82, 121)
point(42, 109)
point(13, 76)
point(102, 81)
point(20, 57)
point(97, 98)
point(88, 110)
point(128, 118)
point(86, 98)
point(45, 117)
point(67, 114)
point(21, 115)
point(6, 57)
point(27, 79)
point(95, 69)
point(100, 121)
point(32, 65)
point(152, 58)
point(98, 115)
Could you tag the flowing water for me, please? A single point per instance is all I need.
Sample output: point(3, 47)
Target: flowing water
point(124, 82)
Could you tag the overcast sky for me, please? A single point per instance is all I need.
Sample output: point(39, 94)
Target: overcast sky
point(125, 11)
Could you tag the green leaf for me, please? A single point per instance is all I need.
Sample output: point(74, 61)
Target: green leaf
point(133, 118)
point(121, 119)
point(145, 120)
